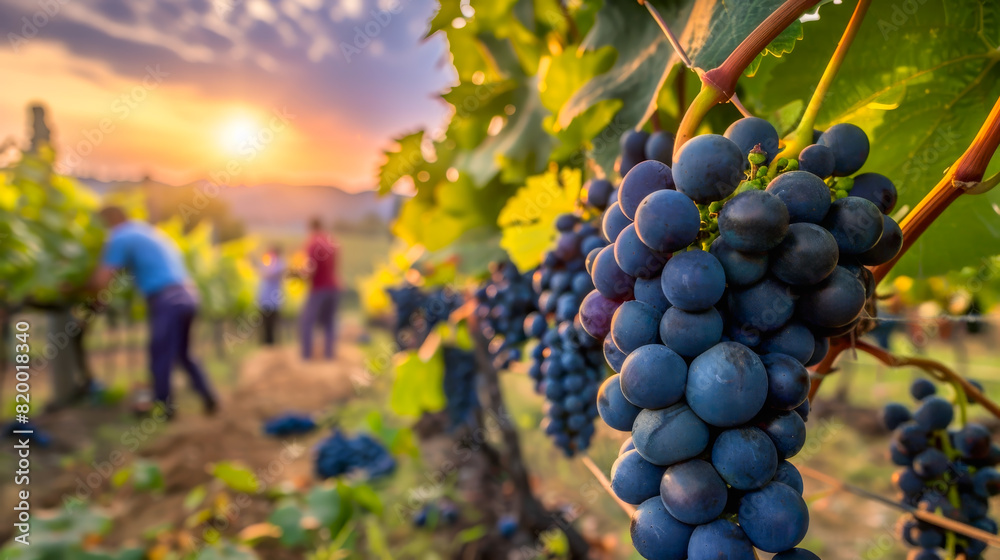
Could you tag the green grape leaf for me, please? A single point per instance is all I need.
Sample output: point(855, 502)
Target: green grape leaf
point(288, 518)
point(419, 384)
point(408, 161)
point(920, 83)
point(528, 220)
point(236, 476)
point(781, 45)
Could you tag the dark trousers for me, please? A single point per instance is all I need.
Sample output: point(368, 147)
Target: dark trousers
point(171, 314)
point(321, 307)
point(270, 325)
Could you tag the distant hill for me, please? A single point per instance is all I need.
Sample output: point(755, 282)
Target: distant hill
point(271, 207)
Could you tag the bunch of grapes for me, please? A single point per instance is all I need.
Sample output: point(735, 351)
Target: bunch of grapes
point(289, 424)
point(949, 471)
point(417, 312)
point(441, 512)
point(340, 454)
point(460, 384)
point(505, 300)
point(568, 364)
point(727, 275)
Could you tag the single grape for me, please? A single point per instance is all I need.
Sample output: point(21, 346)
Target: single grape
point(922, 388)
point(855, 223)
point(774, 518)
point(745, 458)
point(650, 290)
point(667, 221)
point(657, 535)
point(613, 355)
point(633, 148)
point(796, 554)
point(613, 407)
point(934, 413)
point(644, 179)
point(794, 339)
point(765, 306)
point(742, 269)
point(719, 539)
point(689, 333)
point(627, 446)
point(669, 435)
point(887, 246)
point(609, 278)
point(598, 192)
point(653, 376)
point(911, 437)
point(973, 441)
point(908, 482)
point(635, 258)
point(596, 312)
point(930, 463)
point(753, 221)
point(806, 256)
point(876, 188)
point(613, 222)
point(635, 324)
point(834, 302)
point(693, 280)
point(660, 147)
point(786, 430)
point(751, 131)
point(787, 381)
point(805, 195)
point(693, 492)
point(708, 168)
point(727, 385)
point(893, 415)
point(818, 160)
point(849, 145)
point(635, 480)
point(786, 473)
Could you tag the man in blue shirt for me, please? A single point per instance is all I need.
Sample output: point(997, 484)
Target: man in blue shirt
point(158, 270)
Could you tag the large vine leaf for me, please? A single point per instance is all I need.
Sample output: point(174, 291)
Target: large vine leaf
point(528, 219)
point(419, 384)
point(920, 84)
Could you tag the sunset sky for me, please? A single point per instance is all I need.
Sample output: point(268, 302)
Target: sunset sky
point(290, 91)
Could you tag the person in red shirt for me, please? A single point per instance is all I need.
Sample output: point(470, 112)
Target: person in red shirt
point(324, 290)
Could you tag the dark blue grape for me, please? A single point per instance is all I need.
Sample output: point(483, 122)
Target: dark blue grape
point(741, 268)
point(986, 482)
point(566, 222)
point(922, 388)
point(849, 145)
point(786, 473)
point(689, 333)
point(806, 196)
point(596, 312)
point(693, 492)
point(667, 221)
point(653, 376)
point(719, 539)
point(803, 411)
point(855, 223)
point(806, 256)
point(787, 381)
point(794, 339)
point(834, 302)
point(934, 413)
point(911, 437)
point(818, 160)
point(787, 432)
point(643, 180)
point(614, 356)
point(613, 407)
point(727, 385)
point(796, 554)
point(745, 458)
point(973, 441)
point(876, 188)
point(887, 246)
point(893, 415)
point(627, 446)
point(708, 168)
point(635, 324)
point(753, 221)
point(930, 463)
point(908, 482)
point(774, 518)
point(660, 147)
point(633, 148)
point(650, 290)
point(765, 306)
point(819, 352)
point(635, 258)
point(613, 222)
point(609, 278)
point(693, 280)
point(669, 435)
point(634, 479)
point(598, 192)
point(751, 131)
point(657, 535)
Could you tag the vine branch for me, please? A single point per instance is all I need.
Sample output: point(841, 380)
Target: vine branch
point(676, 44)
point(605, 483)
point(802, 136)
point(825, 367)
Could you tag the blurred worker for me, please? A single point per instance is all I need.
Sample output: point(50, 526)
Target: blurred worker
point(270, 294)
point(324, 290)
point(158, 270)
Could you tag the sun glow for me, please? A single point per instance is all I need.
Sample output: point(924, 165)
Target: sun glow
point(239, 133)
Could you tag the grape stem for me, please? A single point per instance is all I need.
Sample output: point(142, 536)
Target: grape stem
point(719, 84)
point(825, 367)
point(964, 176)
point(670, 34)
point(803, 134)
point(935, 369)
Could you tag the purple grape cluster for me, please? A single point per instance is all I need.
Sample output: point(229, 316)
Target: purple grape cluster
point(947, 470)
point(341, 454)
point(289, 424)
point(504, 301)
point(726, 274)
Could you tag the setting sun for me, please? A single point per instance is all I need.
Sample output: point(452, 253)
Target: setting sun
point(237, 133)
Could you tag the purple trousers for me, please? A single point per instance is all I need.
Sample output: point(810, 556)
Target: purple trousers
point(320, 307)
point(171, 313)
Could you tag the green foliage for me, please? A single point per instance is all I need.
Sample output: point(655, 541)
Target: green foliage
point(920, 84)
point(419, 383)
point(236, 476)
point(528, 219)
point(144, 475)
